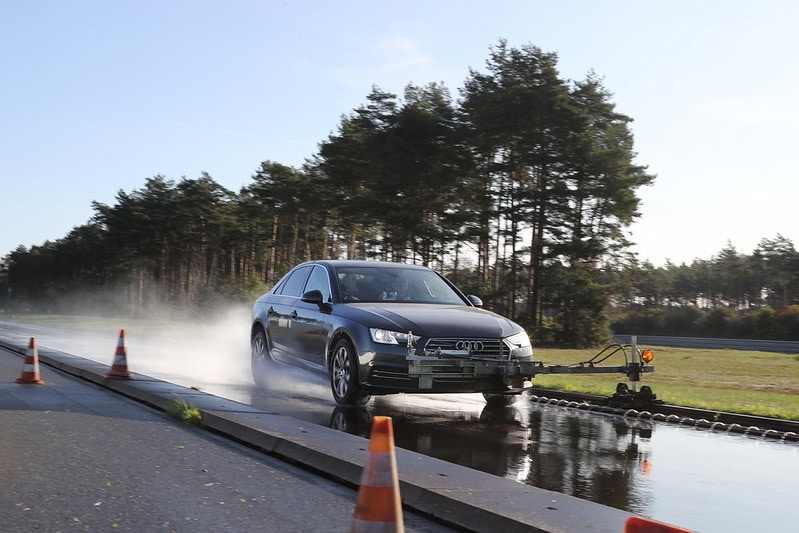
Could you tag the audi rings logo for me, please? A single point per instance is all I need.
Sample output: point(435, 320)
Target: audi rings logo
point(469, 346)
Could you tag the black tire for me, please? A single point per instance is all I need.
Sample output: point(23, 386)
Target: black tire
point(344, 381)
point(259, 350)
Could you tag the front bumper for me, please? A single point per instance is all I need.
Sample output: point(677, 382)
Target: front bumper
point(428, 369)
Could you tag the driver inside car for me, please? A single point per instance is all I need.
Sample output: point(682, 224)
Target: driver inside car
point(396, 290)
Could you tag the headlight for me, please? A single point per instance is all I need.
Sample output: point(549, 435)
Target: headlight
point(384, 336)
point(520, 345)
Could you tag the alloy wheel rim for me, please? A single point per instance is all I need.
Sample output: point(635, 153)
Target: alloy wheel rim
point(340, 371)
point(258, 349)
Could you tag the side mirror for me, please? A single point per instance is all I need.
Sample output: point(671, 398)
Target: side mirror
point(315, 297)
point(475, 301)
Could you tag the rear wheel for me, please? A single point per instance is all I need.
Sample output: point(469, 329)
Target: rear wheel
point(260, 358)
point(344, 380)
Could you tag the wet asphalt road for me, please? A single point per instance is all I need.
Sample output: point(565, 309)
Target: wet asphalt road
point(607, 460)
point(77, 457)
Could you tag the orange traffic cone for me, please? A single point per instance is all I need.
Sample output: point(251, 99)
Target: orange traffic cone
point(637, 524)
point(119, 370)
point(30, 371)
point(379, 506)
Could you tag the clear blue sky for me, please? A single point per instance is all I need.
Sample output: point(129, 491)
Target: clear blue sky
point(97, 96)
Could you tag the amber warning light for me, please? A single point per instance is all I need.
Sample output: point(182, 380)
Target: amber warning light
point(647, 356)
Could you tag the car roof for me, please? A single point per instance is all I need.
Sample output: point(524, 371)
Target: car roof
point(335, 263)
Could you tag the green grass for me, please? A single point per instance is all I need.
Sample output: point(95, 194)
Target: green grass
point(756, 383)
point(184, 412)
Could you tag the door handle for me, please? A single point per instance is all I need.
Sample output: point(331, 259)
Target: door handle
point(293, 314)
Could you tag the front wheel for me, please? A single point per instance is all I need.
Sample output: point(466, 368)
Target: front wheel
point(344, 380)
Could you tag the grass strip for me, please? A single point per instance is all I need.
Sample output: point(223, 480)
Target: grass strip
point(747, 382)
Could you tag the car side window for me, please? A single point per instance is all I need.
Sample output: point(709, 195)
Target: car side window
point(295, 282)
point(319, 281)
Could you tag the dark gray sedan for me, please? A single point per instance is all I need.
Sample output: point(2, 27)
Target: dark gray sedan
point(384, 328)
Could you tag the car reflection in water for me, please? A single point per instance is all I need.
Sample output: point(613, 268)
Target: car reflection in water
point(593, 457)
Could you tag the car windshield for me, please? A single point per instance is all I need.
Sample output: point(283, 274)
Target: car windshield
point(376, 284)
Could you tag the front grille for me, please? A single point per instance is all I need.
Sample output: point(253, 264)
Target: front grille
point(489, 348)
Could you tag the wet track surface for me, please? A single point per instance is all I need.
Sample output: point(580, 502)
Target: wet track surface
point(692, 477)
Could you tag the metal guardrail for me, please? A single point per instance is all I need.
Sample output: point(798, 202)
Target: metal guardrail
point(790, 347)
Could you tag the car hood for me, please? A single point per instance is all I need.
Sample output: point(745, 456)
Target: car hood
point(434, 320)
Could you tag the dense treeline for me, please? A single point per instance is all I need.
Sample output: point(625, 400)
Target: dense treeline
point(721, 322)
point(519, 191)
point(731, 295)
